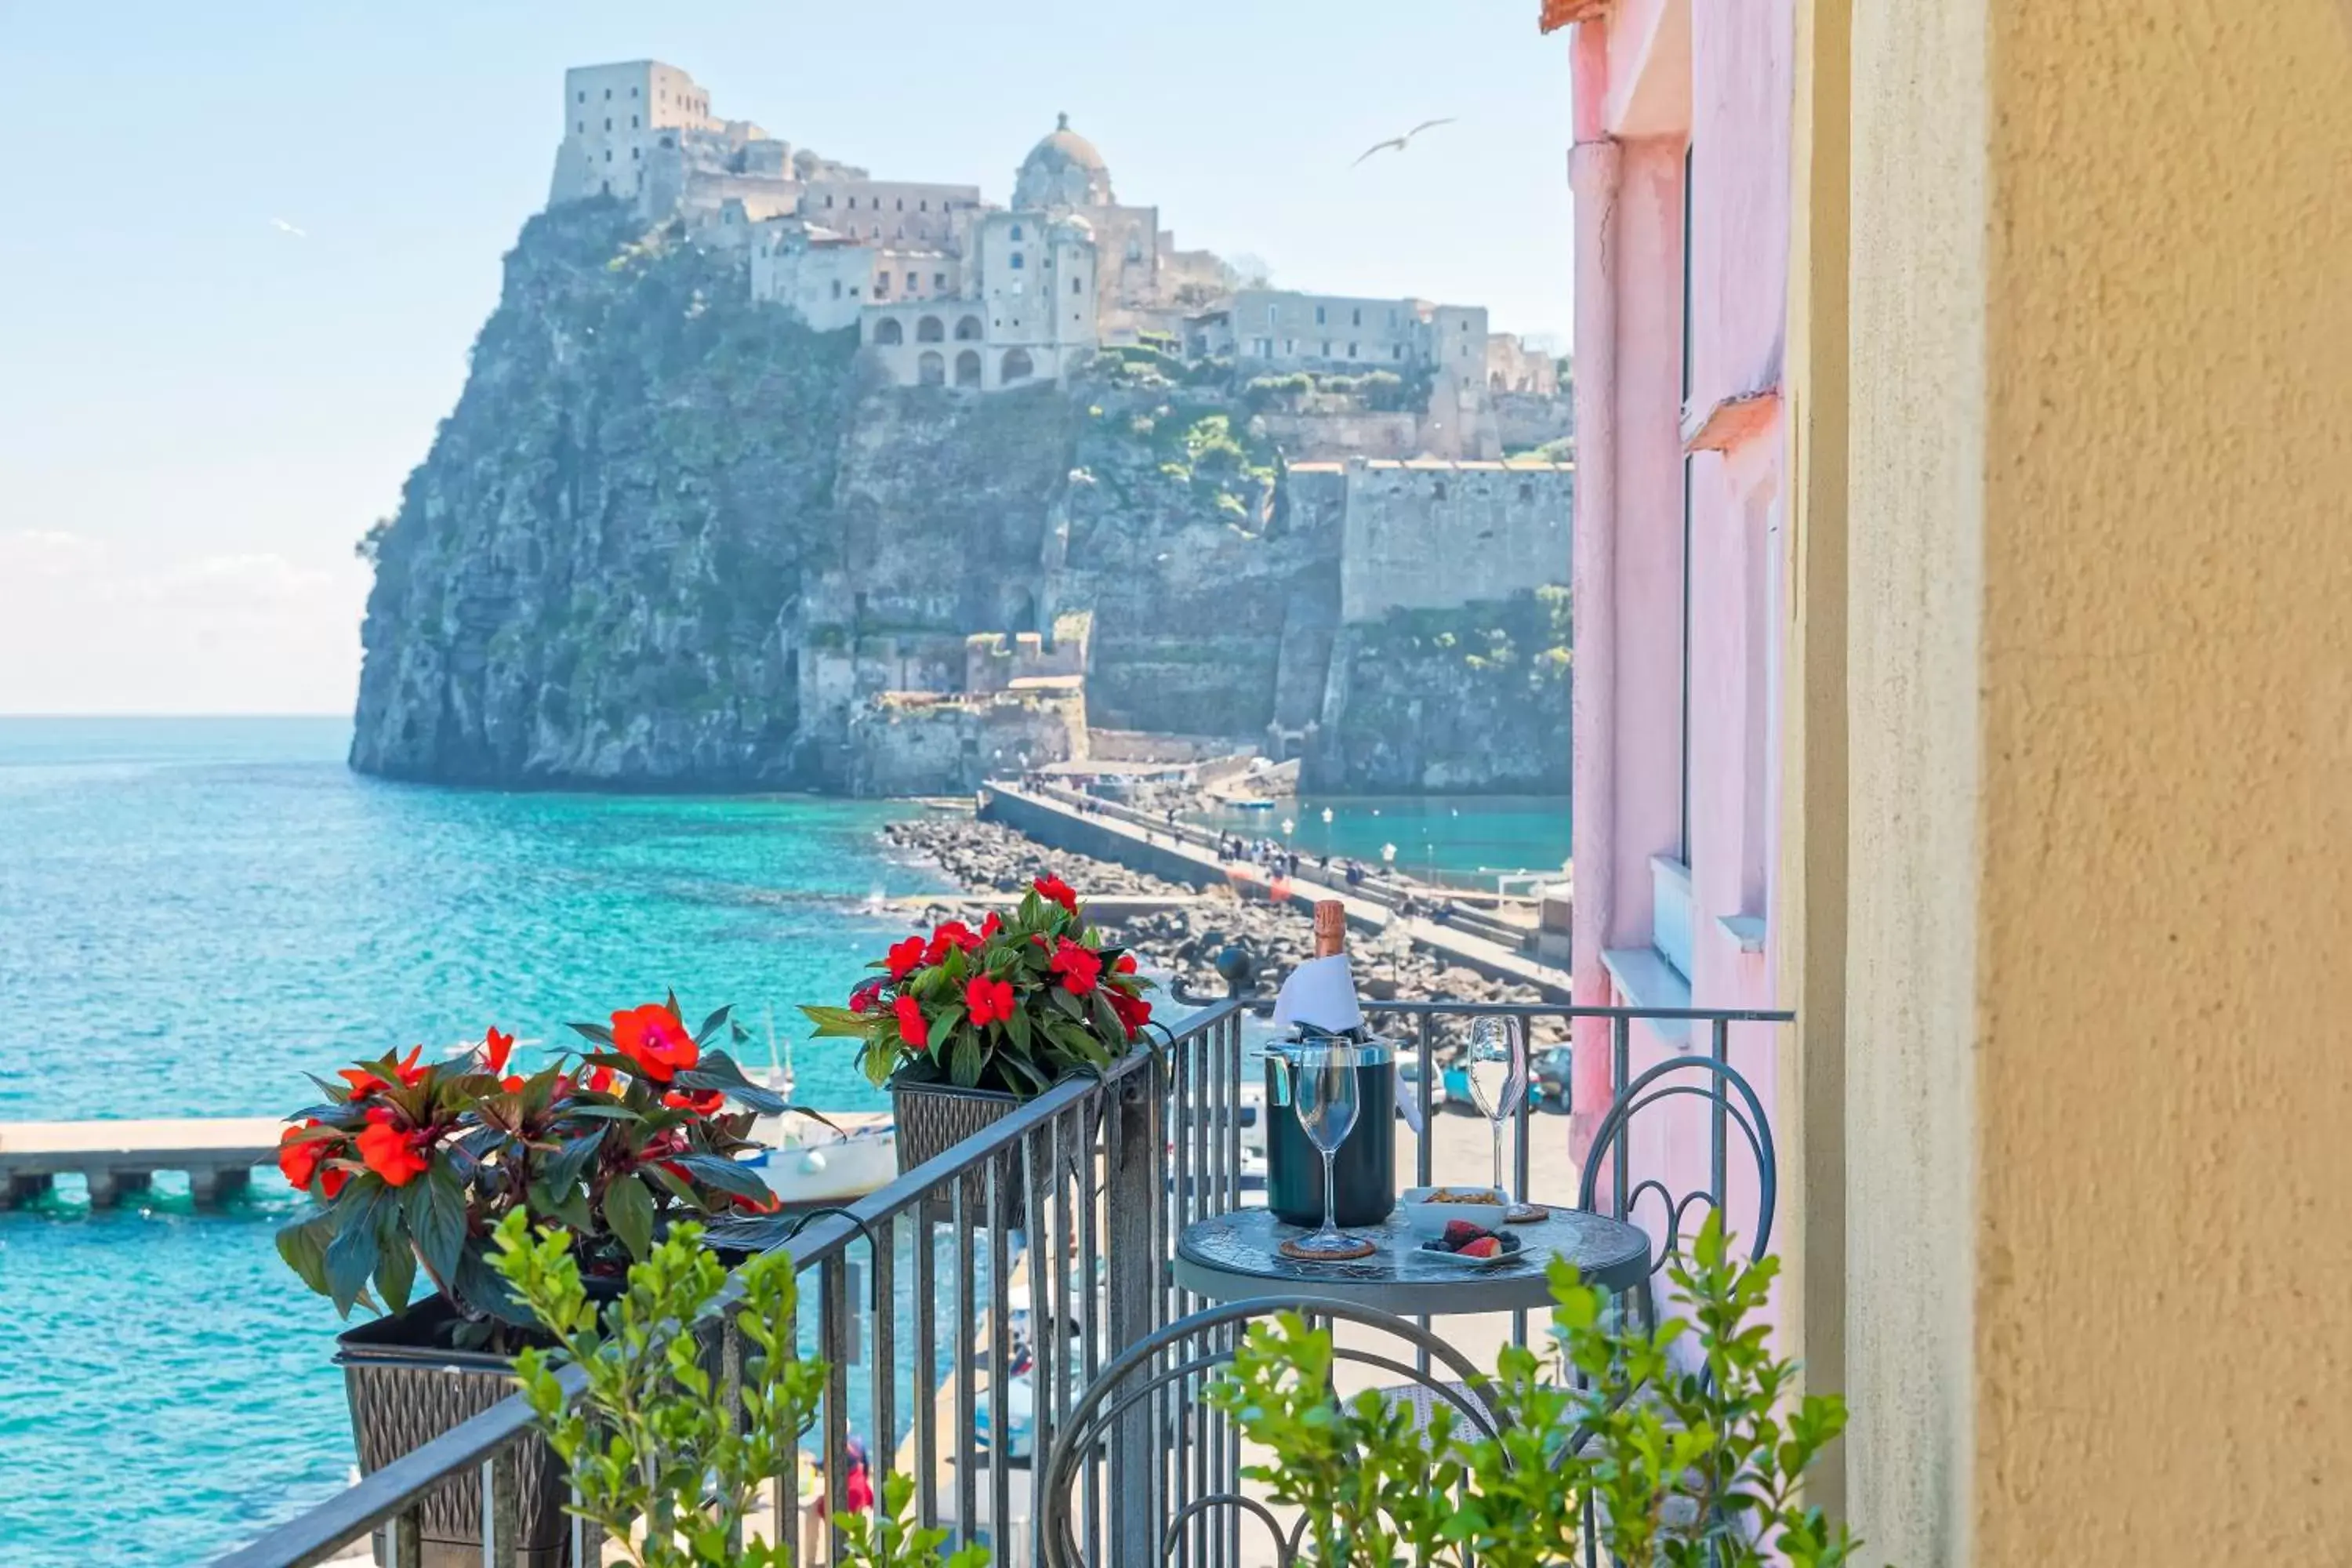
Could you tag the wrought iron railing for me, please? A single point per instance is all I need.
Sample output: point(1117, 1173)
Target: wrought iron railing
point(916, 1293)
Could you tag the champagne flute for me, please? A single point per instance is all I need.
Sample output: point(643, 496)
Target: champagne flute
point(1498, 1065)
point(1327, 1095)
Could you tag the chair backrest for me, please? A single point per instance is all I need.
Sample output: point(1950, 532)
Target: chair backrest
point(1731, 1103)
point(1190, 1348)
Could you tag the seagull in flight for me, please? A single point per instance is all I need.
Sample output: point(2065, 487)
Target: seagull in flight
point(1399, 142)
point(282, 227)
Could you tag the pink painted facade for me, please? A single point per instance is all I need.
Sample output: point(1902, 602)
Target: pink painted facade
point(1681, 179)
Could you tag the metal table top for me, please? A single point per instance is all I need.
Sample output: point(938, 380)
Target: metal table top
point(1232, 1257)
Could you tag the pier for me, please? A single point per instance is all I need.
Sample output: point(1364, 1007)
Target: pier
point(218, 1154)
point(1187, 854)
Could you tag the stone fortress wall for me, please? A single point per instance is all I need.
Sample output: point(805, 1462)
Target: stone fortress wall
point(1429, 535)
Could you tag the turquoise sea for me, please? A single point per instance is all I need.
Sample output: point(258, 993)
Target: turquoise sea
point(194, 913)
point(1447, 837)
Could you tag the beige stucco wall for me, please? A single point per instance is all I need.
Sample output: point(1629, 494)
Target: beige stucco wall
point(2101, 782)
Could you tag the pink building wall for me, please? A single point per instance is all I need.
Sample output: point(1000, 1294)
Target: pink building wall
point(1656, 79)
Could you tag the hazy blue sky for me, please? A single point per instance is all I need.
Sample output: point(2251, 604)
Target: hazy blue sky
point(200, 411)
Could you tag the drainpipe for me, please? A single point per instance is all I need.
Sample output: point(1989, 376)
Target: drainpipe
point(1593, 177)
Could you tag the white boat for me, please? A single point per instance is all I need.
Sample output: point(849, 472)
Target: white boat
point(805, 1162)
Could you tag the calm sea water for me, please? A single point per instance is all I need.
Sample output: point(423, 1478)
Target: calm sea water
point(193, 914)
point(1440, 833)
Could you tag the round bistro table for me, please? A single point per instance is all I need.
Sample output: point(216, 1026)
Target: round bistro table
point(1233, 1256)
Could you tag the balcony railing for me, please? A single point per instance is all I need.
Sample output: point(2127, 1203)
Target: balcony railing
point(916, 1294)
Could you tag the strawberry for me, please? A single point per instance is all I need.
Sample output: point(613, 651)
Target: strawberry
point(1484, 1247)
point(1458, 1231)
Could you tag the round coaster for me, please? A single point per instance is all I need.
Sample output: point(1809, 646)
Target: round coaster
point(1525, 1214)
point(1357, 1248)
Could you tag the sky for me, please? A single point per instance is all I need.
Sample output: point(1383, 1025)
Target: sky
point(249, 244)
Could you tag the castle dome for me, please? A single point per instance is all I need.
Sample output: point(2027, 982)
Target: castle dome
point(1062, 171)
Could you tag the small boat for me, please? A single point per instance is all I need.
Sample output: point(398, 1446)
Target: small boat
point(806, 1161)
point(1254, 804)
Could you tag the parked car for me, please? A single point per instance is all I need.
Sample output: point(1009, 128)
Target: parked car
point(1551, 1075)
point(1408, 1075)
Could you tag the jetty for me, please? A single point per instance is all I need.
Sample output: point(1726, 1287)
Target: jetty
point(218, 1154)
point(1186, 853)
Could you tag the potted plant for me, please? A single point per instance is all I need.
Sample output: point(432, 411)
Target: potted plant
point(962, 1026)
point(413, 1164)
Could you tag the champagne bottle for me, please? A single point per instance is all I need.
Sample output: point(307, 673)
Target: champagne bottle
point(1331, 927)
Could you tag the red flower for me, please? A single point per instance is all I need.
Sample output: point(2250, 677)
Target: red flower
point(1079, 967)
point(600, 1079)
point(364, 1083)
point(298, 1163)
point(1056, 890)
point(511, 1083)
point(391, 1154)
point(862, 999)
point(951, 933)
point(1133, 1010)
point(768, 1205)
point(987, 1001)
point(494, 1048)
point(702, 1102)
point(1126, 964)
point(991, 925)
point(911, 1027)
point(906, 957)
point(654, 1038)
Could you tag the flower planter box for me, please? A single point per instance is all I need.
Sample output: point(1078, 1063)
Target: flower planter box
point(405, 1389)
point(933, 1118)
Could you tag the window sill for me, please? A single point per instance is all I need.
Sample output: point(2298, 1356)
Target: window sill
point(1644, 977)
point(1745, 932)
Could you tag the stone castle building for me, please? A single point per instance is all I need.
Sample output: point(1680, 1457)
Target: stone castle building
point(944, 289)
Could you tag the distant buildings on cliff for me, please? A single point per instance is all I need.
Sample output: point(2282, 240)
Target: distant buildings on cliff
point(946, 289)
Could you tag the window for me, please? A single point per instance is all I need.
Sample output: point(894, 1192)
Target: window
point(882, 288)
point(967, 367)
point(608, 94)
point(1016, 233)
point(637, 153)
point(836, 288)
point(580, 126)
point(967, 330)
point(914, 282)
point(1318, 315)
point(1393, 322)
point(608, 154)
point(632, 92)
point(1289, 347)
point(608, 125)
point(1355, 318)
point(633, 122)
point(902, 204)
point(1016, 262)
point(1397, 353)
point(1262, 348)
point(939, 282)
point(583, 98)
point(888, 331)
point(1269, 315)
point(932, 369)
point(1527, 490)
point(930, 330)
point(1327, 343)
point(922, 207)
point(1078, 285)
point(1466, 350)
point(1682, 762)
point(1352, 350)
point(1017, 365)
point(828, 201)
point(1439, 493)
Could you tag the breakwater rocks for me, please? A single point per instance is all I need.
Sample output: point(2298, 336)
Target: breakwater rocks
point(1183, 932)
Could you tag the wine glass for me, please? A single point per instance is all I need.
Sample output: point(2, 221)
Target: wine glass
point(1498, 1064)
point(1327, 1095)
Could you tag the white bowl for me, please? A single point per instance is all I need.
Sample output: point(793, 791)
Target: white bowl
point(1427, 1219)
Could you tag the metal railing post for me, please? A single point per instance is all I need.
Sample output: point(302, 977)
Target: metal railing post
point(1131, 1194)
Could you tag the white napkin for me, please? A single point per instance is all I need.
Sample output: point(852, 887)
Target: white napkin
point(1320, 991)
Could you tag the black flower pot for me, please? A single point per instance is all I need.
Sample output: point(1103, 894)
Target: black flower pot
point(406, 1388)
point(933, 1118)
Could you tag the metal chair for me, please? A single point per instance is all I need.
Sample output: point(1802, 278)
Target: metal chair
point(1734, 1103)
point(1165, 1359)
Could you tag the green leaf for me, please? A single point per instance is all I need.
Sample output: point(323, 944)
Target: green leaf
point(395, 1276)
point(677, 1186)
point(1071, 1004)
point(352, 1258)
point(719, 1071)
point(836, 1021)
point(434, 1209)
point(562, 1170)
point(596, 1032)
point(1017, 1027)
point(303, 1248)
point(729, 1177)
point(712, 1025)
point(967, 1061)
point(629, 1210)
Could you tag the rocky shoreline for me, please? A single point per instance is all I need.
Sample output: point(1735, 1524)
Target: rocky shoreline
point(1183, 936)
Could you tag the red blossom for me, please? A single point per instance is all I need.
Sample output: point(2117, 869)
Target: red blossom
point(905, 957)
point(655, 1038)
point(1126, 964)
point(702, 1102)
point(495, 1049)
point(1079, 967)
point(950, 934)
point(768, 1205)
point(298, 1163)
point(393, 1152)
point(600, 1079)
point(991, 925)
point(1133, 1010)
point(511, 1083)
point(912, 1029)
point(862, 999)
point(987, 1001)
point(1056, 890)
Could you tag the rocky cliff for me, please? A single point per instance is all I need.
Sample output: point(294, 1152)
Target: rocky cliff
point(670, 539)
